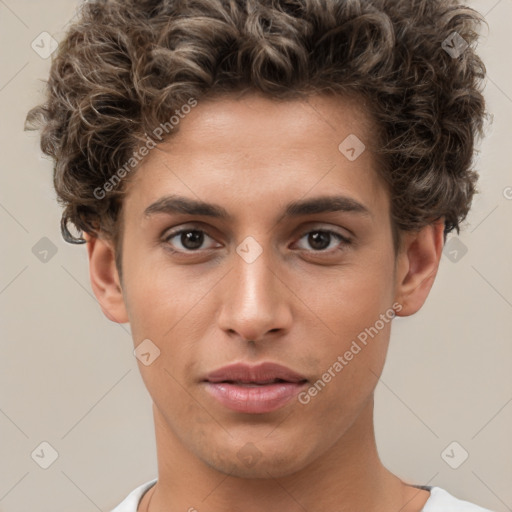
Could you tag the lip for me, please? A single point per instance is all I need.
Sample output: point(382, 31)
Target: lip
point(254, 389)
point(259, 374)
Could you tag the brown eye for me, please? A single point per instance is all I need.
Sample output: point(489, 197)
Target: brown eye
point(190, 239)
point(321, 240)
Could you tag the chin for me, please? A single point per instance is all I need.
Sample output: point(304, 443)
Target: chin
point(253, 462)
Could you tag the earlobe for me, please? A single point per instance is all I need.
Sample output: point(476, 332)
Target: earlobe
point(417, 266)
point(104, 278)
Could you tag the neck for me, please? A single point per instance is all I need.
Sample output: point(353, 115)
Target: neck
point(348, 477)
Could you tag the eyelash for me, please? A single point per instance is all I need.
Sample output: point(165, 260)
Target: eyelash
point(344, 240)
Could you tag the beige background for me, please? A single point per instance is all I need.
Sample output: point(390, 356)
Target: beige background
point(68, 376)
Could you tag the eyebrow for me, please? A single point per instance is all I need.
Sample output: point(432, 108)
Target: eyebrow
point(174, 204)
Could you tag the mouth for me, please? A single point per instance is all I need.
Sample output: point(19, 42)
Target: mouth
point(261, 374)
point(254, 389)
point(250, 384)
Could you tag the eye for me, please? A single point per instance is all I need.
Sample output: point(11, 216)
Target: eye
point(190, 239)
point(320, 240)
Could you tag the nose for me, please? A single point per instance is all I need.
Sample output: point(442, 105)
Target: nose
point(255, 300)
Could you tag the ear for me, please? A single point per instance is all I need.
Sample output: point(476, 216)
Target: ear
point(105, 280)
point(417, 266)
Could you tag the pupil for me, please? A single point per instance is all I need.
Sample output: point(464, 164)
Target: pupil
point(319, 240)
point(192, 239)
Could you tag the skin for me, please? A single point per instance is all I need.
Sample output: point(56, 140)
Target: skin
point(297, 304)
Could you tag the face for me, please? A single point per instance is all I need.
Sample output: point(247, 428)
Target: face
point(268, 274)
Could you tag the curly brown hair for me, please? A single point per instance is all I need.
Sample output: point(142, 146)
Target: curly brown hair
point(125, 66)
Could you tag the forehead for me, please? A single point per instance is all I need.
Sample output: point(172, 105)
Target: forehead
point(252, 147)
point(253, 119)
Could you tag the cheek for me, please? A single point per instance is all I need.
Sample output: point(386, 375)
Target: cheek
point(355, 306)
point(159, 298)
point(169, 308)
point(351, 298)
point(350, 372)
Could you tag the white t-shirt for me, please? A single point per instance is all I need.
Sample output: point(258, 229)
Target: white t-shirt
point(439, 501)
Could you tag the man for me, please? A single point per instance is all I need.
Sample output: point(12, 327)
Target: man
point(263, 186)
